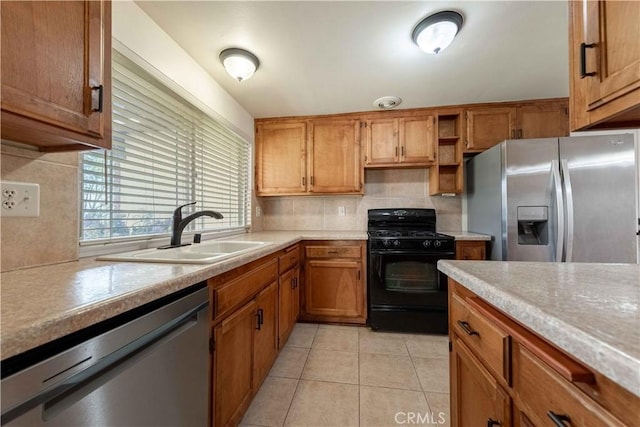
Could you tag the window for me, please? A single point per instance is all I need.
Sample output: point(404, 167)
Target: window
point(165, 152)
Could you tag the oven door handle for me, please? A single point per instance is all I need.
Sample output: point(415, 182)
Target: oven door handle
point(439, 255)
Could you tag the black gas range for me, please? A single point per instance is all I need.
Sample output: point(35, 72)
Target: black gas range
point(406, 292)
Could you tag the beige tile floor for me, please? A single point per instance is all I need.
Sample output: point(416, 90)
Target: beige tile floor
point(350, 376)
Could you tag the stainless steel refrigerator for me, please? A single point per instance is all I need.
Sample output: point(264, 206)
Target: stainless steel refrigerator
point(557, 199)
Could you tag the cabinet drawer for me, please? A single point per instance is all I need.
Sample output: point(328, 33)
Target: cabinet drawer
point(241, 289)
point(333, 252)
point(545, 393)
point(289, 259)
point(476, 328)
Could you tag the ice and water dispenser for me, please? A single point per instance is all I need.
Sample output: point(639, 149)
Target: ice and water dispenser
point(533, 225)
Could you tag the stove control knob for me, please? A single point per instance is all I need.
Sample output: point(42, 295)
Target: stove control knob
point(437, 243)
point(426, 243)
point(396, 243)
point(386, 243)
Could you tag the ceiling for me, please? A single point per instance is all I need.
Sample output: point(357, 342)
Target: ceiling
point(339, 56)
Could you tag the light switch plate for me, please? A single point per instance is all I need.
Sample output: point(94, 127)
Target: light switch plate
point(20, 199)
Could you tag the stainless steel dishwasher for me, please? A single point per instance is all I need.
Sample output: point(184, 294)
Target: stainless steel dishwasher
point(147, 367)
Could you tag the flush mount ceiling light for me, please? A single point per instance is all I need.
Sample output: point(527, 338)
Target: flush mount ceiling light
point(435, 32)
point(387, 102)
point(239, 63)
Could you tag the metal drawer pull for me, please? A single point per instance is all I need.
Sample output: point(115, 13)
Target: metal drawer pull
point(491, 422)
point(559, 419)
point(465, 326)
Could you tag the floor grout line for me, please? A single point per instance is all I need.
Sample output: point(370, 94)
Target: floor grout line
point(299, 379)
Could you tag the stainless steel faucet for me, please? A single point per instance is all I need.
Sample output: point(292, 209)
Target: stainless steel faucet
point(179, 223)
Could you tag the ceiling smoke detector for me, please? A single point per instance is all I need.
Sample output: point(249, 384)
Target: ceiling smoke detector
point(387, 102)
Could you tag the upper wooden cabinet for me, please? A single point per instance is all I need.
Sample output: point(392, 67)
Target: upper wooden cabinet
point(334, 157)
point(408, 141)
point(281, 158)
point(298, 157)
point(56, 74)
point(489, 125)
point(604, 64)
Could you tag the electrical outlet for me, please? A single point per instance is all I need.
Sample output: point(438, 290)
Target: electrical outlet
point(20, 199)
point(341, 211)
point(258, 211)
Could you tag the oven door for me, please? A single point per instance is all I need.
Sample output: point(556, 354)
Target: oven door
point(406, 279)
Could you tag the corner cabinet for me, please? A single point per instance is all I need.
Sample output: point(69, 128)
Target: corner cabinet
point(304, 157)
point(334, 282)
point(503, 374)
point(400, 141)
point(604, 64)
point(56, 74)
point(471, 250)
point(488, 125)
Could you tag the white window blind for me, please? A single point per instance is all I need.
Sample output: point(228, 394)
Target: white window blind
point(165, 152)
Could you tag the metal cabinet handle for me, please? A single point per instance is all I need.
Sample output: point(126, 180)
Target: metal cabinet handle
point(311, 180)
point(465, 326)
point(304, 181)
point(491, 422)
point(333, 252)
point(260, 318)
point(396, 151)
point(558, 419)
point(583, 60)
point(513, 134)
point(402, 151)
point(519, 133)
point(100, 90)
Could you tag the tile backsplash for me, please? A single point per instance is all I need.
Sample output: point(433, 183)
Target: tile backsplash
point(385, 188)
point(51, 237)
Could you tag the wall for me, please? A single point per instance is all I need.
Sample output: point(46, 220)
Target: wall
point(164, 58)
point(392, 188)
point(53, 236)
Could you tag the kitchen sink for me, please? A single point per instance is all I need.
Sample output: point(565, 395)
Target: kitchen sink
point(199, 253)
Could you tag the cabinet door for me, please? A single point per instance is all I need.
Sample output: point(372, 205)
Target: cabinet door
point(233, 365)
point(265, 338)
point(333, 288)
point(417, 140)
point(56, 71)
point(382, 142)
point(488, 126)
point(543, 120)
point(470, 250)
point(613, 27)
point(280, 158)
point(334, 160)
point(476, 397)
point(286, 286)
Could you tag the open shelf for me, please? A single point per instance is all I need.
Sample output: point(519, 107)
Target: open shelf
point(445, 176)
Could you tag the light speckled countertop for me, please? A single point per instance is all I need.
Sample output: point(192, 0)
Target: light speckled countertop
point(466, 235)
point(44, 303)
point(589, 310)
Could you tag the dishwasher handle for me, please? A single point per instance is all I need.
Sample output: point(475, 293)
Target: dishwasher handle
point(59, 397)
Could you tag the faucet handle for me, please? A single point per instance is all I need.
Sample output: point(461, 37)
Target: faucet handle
point(177, 213)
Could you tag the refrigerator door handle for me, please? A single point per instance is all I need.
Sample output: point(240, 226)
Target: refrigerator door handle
point(568, 191)
point(557, 186)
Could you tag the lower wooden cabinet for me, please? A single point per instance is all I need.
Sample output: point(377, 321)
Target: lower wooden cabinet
point(471, 250)
point(289, 297)
point(334, 289)
point(265, 335)
point(233, 365)
point(503, 374)
point(476, 397)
